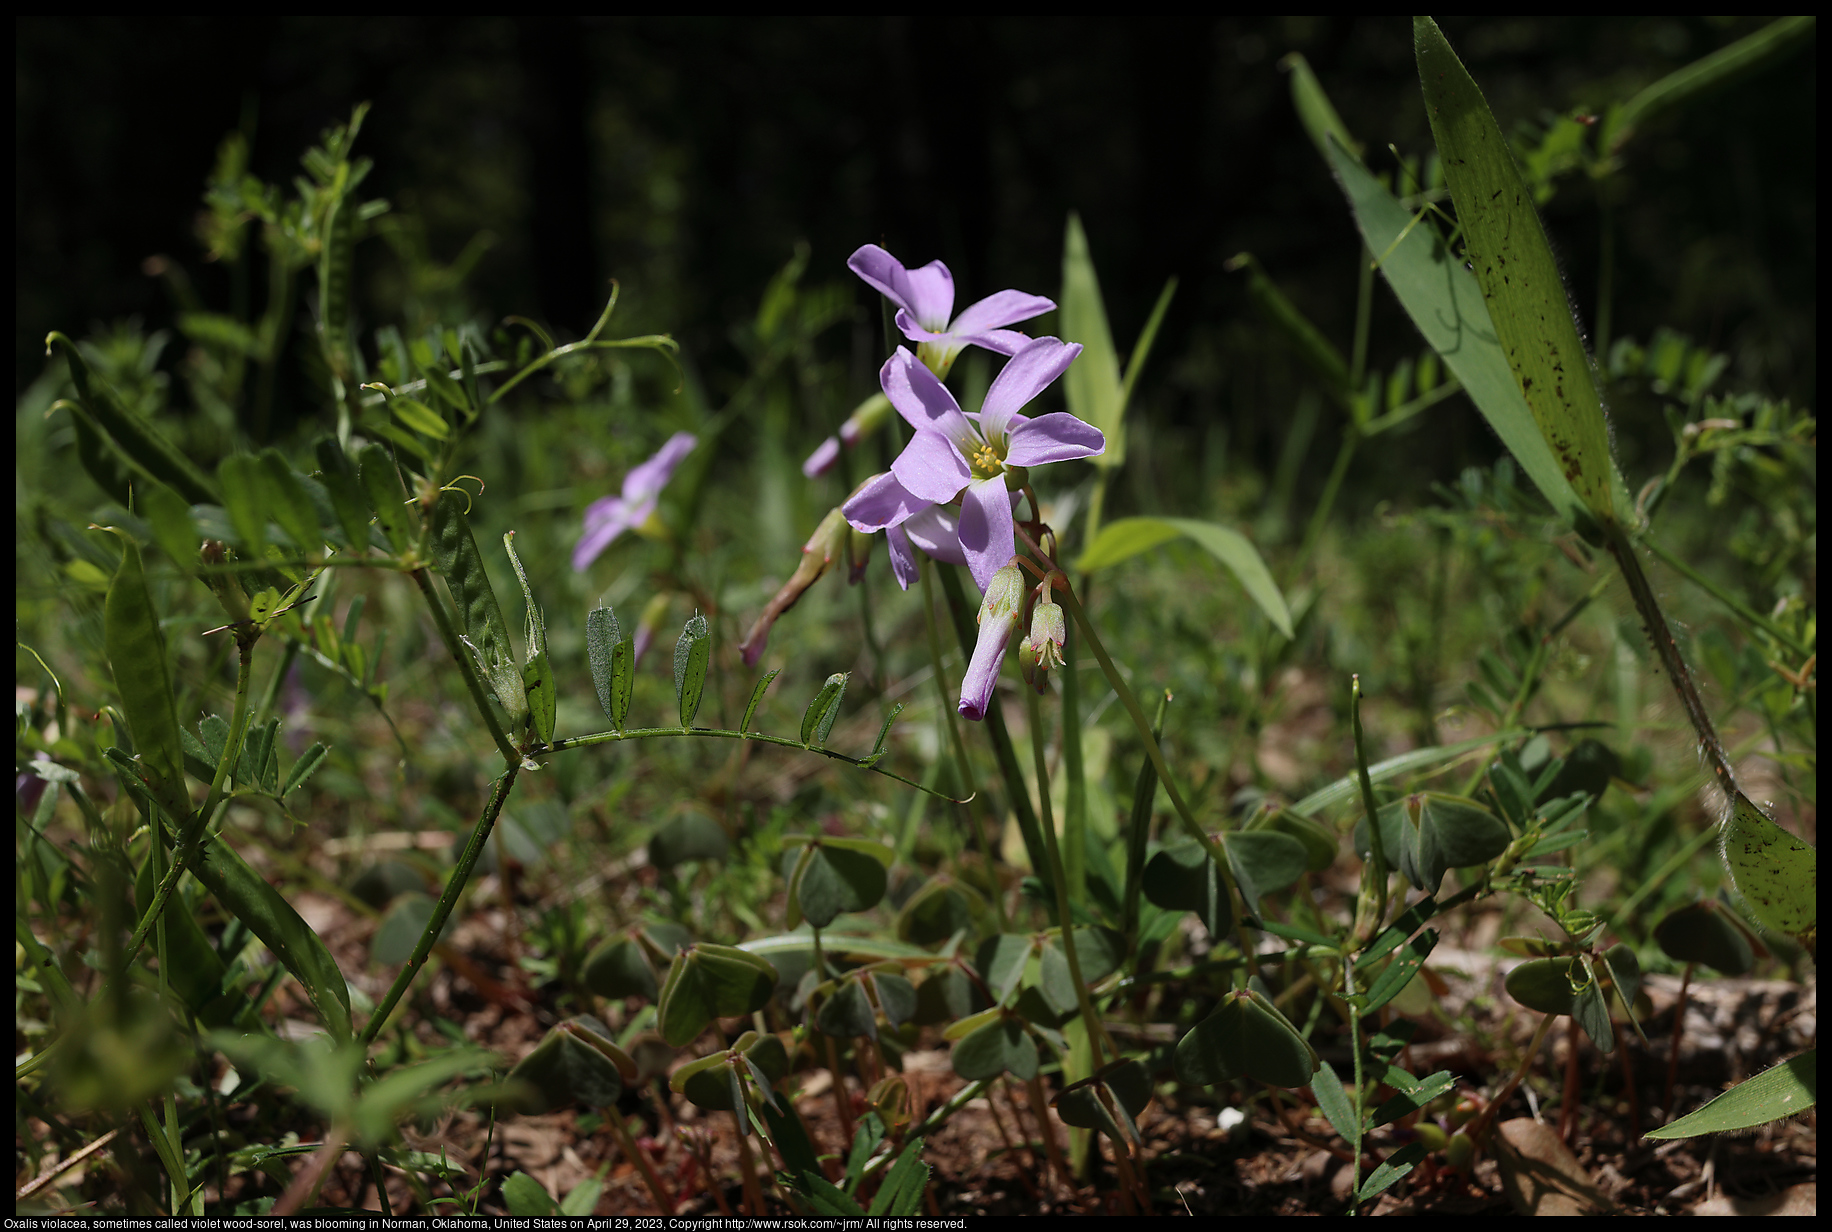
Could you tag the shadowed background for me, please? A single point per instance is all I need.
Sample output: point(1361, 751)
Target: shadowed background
point(687, 158)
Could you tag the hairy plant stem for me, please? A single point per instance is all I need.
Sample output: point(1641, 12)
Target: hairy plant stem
point(442, 910)
point(1666, 648)
point(480, 697)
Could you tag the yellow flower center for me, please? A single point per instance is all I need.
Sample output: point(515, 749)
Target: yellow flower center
point(986, 461)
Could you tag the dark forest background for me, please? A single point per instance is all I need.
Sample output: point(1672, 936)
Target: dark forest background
point(687, 158)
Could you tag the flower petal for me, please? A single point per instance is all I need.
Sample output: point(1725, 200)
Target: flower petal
point(880, 502)
point(937, 531)
point(1005, 308)
point(931, 467)
point(822, 459)
point(983, 671)
point(1027, 374)
point(929, 295)
point(999, 341)
point(652, 476)
point(922, 400)
point(597, 538)
point(903, 558)
point(986, 528)
point(884, 272)
point(1055, 437)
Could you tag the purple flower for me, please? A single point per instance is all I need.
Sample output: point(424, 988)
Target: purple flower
point(925, 299)
point(998, 622)
point(642, 487)
point(966, 456)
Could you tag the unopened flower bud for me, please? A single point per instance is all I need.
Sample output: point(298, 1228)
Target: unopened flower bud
point(817, 554)
point(1041, 652)
point(998, 624)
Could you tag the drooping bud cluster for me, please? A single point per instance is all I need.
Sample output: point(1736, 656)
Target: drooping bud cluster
point(1041, 652)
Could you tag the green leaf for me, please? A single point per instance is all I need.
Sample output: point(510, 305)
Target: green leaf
point(1446, 306)
point(289, 504)
point(818, 718)
point(1263, 861)
point(344, 486)
point(938, 910)
point(538, 684)
point(1543, 984)
point(826, 1198)
point(419, 417)
point(173, 527)
point(1247, 1037)
point(1333, 1101)
point(1127, 537)
point(303, 769)
point(1092, 384)
point(611, 656)
point(1702, 933)
point(246, 895)
point(136, 653)
point(244, 498)
point(193, 966)
point(848, 1013)
point(706, 982)
point(790, 1135)
point(837, 876)
point(140, 442)
point(1513, 264)
point(757, 692)
point(691, 653)
point(1183, 878)
point(900, 1197)
point(1400, 971)
point(1003, 1046)
point(1426, 834)
point(381, 484)
point(455, 551)
point(1412, 1094)
point(1315, 111)
point(1776, 873)
point(877, 748)
point(575, 1063)
point(1391, 1171)
point(1788, 1089)
point(1126, 1082)
point(525, 1197)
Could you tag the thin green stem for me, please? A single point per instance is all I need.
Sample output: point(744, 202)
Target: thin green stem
point(1348, 991)
point(466, 668)
point(1038, 751)
point(952, 720)
point(1351, 437)
point(1737, 609)
point(1371, 910)
point(442, 910)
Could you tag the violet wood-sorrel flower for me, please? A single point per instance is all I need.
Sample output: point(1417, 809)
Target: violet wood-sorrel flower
point(998, 623)
point(925, 302)
point(608, 518)
point(954, 454)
